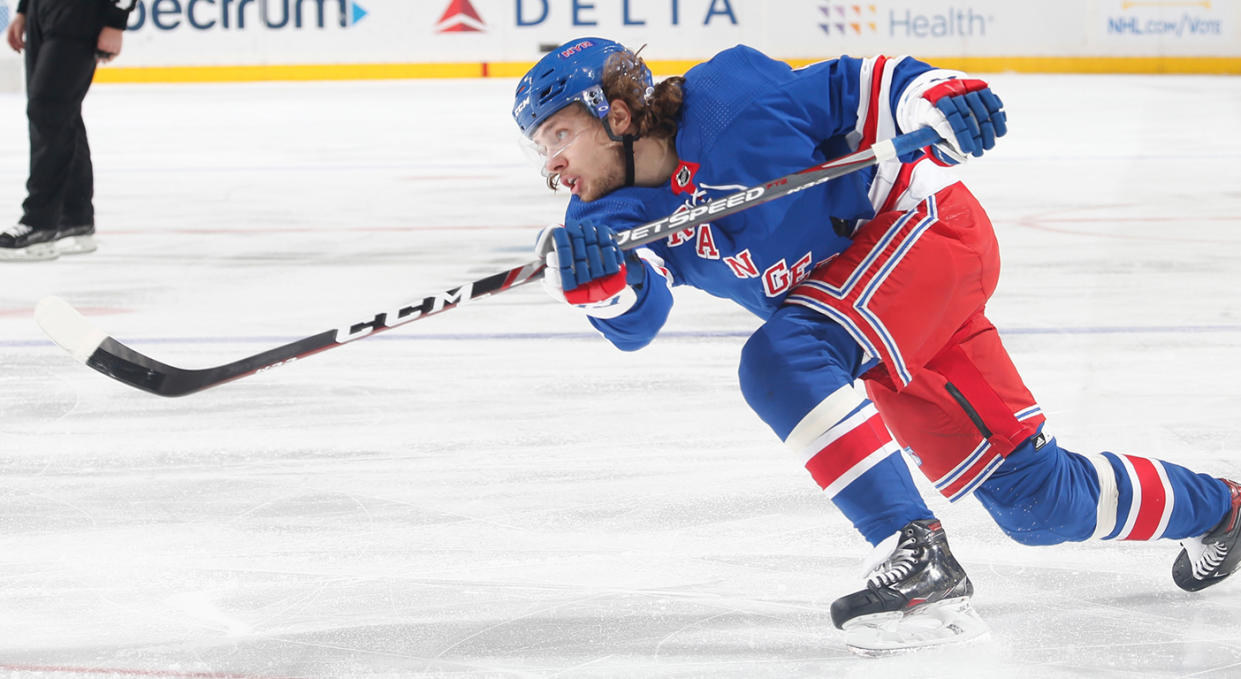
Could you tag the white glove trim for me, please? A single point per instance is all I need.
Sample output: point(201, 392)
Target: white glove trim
point(913, 111)
point(608, 308)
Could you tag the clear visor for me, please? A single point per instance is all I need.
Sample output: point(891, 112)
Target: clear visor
point(552, 139)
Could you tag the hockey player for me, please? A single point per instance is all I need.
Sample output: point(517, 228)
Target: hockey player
point(881, 275)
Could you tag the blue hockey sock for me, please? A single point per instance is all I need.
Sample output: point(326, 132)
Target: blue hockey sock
point(1050, 495)
point(797, 372)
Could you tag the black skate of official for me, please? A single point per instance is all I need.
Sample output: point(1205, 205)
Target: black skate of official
point(75, 240)
point(1206, 560)
point(919, 596)
point(24, 243)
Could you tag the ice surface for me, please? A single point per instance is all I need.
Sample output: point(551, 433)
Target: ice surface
point(495, 492)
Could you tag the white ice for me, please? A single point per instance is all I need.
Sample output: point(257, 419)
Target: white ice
point(495, 492)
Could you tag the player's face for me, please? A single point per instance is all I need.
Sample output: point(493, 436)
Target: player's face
point(576, 150)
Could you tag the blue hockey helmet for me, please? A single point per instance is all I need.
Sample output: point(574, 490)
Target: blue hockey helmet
point(569, 73)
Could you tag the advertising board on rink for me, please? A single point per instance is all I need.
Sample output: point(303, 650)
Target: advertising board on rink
point(236, 39)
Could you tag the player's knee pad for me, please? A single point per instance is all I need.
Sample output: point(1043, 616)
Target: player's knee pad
point(1042, 496)
point(793, 362)
point(763, 367)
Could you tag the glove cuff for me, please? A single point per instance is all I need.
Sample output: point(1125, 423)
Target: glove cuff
point(598, 290)
point(612, 307)
point(914, 111)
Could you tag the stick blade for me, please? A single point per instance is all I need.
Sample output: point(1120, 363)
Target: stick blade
point(68, 328)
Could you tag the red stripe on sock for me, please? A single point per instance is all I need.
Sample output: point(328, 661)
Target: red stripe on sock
point(845, 453)
point(1154, 497)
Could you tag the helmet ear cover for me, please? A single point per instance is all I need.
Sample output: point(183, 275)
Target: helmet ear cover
point(597, 102)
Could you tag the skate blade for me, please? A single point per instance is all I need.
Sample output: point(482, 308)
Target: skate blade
point(39, 252)
point(949, 622)
point(76, 245)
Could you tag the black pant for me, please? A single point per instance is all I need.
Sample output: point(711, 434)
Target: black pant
point(60, 63)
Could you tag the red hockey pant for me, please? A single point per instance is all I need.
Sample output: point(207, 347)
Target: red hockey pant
point(912, 289)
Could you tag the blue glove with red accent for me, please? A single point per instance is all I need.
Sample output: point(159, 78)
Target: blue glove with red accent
point(588, 270)
point(965, 112)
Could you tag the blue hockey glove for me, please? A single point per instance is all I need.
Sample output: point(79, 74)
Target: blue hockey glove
point(588, 270)
point(965, 112)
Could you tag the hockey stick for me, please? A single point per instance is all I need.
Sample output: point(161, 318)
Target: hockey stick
point(68, 328)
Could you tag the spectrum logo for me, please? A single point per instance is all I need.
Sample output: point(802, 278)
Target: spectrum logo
point(460, 17)
point(849, 19)
point(240, 15)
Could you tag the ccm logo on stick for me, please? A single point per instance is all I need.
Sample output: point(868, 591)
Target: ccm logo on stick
point(405, 314)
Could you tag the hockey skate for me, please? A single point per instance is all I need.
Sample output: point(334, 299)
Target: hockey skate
point(23, 243)
point(1208, 559)
point(75, 240)
point(917, 596)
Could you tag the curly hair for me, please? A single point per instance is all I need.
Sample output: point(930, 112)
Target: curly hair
point(655, 116)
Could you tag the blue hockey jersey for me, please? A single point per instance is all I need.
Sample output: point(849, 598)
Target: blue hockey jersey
point(747, 119)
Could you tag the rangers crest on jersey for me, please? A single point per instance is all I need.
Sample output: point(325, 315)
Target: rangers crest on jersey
point(683, 178)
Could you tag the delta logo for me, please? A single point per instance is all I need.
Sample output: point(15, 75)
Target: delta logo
point(848, 19)
point(460, 17)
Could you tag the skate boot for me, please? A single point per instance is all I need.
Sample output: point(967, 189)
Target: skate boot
point(75, 240)
point(1207, 559)
point(24, 243)
point(916, 596)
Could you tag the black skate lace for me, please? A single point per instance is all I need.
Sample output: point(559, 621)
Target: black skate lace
point(18, 230)
point(896, 568)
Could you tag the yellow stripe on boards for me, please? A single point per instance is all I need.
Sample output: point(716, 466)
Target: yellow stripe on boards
point(399, 71)
point(203, 74)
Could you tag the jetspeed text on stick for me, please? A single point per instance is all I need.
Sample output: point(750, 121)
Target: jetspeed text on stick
point(688, 217)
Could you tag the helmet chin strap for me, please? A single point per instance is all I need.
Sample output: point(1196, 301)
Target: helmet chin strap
point(627, 140)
